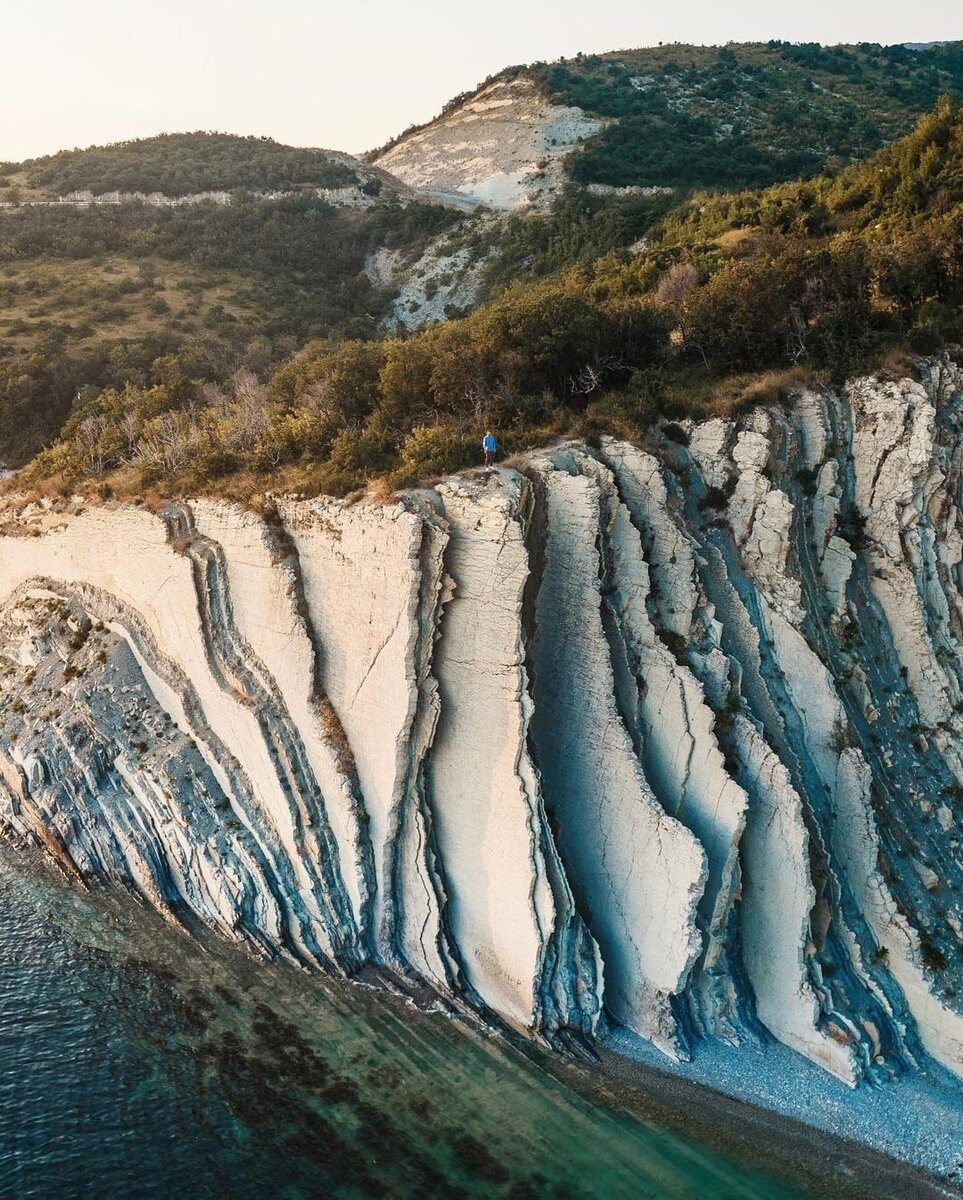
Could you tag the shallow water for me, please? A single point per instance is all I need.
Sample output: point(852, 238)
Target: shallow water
point(133, 1063)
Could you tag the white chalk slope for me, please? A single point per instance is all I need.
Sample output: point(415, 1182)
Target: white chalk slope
point(573, 745)
point(503, 147)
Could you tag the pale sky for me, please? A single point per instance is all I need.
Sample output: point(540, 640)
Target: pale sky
point(347, 75)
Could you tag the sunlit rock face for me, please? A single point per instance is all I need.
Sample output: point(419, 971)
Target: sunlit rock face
point(504, 146)
point(666, 739)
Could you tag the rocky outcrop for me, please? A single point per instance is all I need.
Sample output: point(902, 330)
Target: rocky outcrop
point(502, 147)
point(668, 740)
point(638, 872)
point(524, 947)
point(447, 277)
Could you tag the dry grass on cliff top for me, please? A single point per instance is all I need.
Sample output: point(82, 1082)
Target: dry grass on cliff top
point(694, 392)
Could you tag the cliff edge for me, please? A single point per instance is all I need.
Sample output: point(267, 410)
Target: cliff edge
point(662, 739)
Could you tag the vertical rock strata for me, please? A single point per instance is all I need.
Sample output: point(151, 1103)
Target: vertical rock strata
point(369, 583)
point(670, 735)
point(673, 731)
point(637, 872)
point(524, 948)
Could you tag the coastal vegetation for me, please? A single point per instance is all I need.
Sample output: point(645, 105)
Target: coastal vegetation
point(258, 355)
point(99, 297)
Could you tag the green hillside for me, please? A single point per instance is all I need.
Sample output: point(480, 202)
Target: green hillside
point(745, 115)
point(177, 164)
point(605, 310)
point(100, 296)
point(728, 301)
point(742, 115)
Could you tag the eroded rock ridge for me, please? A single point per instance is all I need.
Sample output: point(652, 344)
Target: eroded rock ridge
point(663, 738)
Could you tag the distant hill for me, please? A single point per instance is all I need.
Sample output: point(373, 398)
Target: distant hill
point(742, 115)
point(182, 164)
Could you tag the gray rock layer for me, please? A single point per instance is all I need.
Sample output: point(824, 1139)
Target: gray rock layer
point(664, 739)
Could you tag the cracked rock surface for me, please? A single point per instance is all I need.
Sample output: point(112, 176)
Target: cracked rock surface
point(667, 739)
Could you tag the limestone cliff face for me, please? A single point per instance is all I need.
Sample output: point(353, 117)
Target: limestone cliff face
point(666, 738)
point(503, 146)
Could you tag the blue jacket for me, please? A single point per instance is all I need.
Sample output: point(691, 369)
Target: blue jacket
point(488, 443)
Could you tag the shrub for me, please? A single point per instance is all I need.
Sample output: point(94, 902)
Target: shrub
point(434, 450)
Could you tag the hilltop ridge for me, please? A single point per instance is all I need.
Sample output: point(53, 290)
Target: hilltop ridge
point(745, 114)
point(184, 164)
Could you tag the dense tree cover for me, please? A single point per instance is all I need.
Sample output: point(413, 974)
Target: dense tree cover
point(579, 229)
point(356, 408)
point(838, 265)
point(38, 391)
point(920, 75)
point(180, 164)
point(820, 276)
point(745, 115)
point(911, 184)
point(270, 236)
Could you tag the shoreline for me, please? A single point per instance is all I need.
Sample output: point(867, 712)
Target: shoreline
point(771, 1124)
point(869, 1141)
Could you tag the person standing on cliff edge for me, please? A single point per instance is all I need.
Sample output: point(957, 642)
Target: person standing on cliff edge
point(488, 448)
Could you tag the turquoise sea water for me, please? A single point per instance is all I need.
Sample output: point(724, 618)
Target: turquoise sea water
point(133, 1063)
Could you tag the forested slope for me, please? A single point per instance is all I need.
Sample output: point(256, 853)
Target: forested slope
point(729, 301)
point(255, 341)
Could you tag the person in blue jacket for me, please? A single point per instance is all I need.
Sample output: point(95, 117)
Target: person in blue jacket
point(489, 447)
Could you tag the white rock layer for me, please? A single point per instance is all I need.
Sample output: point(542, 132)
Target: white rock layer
point(589, 735)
